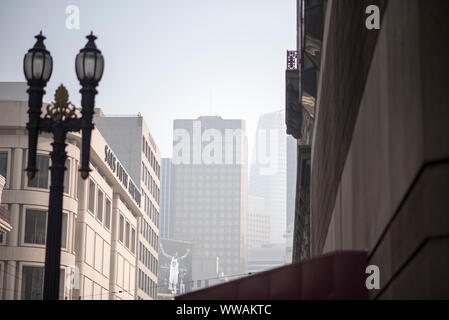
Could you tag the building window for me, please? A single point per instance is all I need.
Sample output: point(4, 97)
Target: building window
point(64, 230)
point(140, 280)
point(133, 240)
point(100, 205)
point(3, 163)
point(121, 226)
point(67, 176)
point(108, 214)
point(40, 180)
point(152, 288)
point(91, 196)
point(151, 159)
point(127, 235)
point(32, 283)
point(145, 282)
point(2, 237)
point(35, 226)
point(62, 284)
point(146, 177)
point(146, 149)
point(140, 251)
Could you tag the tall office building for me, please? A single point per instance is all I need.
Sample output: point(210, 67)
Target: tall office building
point(268, 175)
point(165, 230)
point(133, 144)
point(99, 215)
point(210, 190)
point(258, 222)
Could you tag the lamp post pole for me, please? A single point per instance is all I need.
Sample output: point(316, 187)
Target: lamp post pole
point(54, 224)
point(59, 119)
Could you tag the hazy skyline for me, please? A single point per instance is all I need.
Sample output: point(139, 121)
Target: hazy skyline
point(164, 59)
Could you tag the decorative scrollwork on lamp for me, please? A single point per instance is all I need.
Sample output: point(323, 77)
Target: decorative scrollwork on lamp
point(60, 110)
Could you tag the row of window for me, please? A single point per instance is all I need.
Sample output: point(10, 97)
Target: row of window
point(147, 285)
point(200, 210)
point(207, 204)
point(209, 178)
point(147, 258)
point(36, 227)
point(151, 210)
point(148, 180)
point(149, 234)
point(210, 168)
point(94, 291)
point(33, 283)
point(151, 157)
point(229, 191)
point(127, 234)
point(199, 282)
point(102, 210)
point(42, 176)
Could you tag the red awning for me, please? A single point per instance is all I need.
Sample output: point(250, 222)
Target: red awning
point(337, 275)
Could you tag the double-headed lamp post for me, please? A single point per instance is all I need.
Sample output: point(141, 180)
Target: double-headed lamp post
point(60, 118)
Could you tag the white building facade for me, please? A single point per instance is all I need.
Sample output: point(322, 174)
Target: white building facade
point(134, 145)
point(101, 215)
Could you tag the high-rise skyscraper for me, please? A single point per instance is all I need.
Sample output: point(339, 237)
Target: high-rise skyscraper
point(268, 175)
point(165, 230)
point(258, 222)
point(210, 191)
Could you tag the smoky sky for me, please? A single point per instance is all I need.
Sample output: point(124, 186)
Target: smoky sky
point(167, 59)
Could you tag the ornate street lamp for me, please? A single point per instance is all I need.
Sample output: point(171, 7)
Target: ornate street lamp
point(89, 65)
point(59, 119)
point(37, 66)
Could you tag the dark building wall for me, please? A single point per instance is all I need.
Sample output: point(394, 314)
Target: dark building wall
point(380, 159)
point(346, 58)
point(309, 33)
point(301, 234)
point(292, 146)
